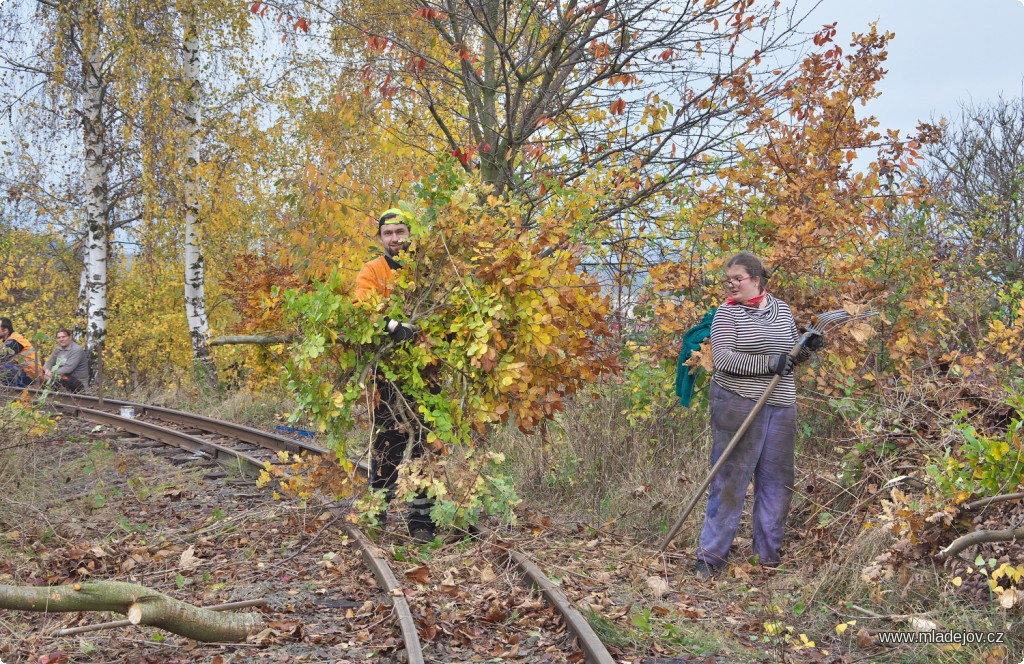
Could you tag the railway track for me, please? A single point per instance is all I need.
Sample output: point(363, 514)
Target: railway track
point(511, 582)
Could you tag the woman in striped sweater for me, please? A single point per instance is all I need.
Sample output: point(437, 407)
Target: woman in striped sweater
point(751, 336)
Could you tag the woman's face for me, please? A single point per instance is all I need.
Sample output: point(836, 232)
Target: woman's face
point(740, 285)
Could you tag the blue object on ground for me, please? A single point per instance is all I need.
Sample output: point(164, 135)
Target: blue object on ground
point(301, 432)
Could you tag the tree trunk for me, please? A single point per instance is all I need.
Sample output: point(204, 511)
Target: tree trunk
point(82, 311)
point(980, 537)
point(142, 605)
point(195, 277)
point(489, 159)
point(97, 204)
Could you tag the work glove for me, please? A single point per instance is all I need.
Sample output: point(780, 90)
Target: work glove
point(783, 365)
point(401, 331)
point(815, 342)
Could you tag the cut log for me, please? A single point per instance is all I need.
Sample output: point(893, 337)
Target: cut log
point(142, 605)
point(71, 631)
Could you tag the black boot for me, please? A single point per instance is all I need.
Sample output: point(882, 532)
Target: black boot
point(421, 527)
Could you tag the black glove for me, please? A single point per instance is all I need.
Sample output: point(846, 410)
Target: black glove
point(783, 365)
point(815, 342)
point(401, 331)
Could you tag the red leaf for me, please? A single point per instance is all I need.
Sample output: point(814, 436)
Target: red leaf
point(427, 13)
point(618, 106)
point(376, 43)
point(255, 9)
point(53, 658)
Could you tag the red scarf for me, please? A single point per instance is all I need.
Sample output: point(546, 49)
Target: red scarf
point(752, 302)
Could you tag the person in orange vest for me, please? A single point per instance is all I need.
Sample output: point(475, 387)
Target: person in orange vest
point(390, 422)
point(18, 366)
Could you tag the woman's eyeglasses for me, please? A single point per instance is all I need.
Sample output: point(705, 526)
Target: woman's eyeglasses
point(734, 281)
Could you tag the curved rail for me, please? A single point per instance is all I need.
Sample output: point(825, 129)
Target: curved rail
point(590, 643)
point(162, 434)
point(386, 579)
point(213, 425)
point(588, 640)
point(388, 582)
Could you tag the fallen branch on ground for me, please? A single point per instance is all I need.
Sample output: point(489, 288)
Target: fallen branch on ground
point(127, 623)
point(142, 605)
point(985, 502)
point(980, 537)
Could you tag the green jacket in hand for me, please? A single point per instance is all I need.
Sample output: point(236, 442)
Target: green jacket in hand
point(691, 342)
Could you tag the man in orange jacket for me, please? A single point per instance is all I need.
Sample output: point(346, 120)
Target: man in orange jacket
point(391, 417)
point(18, 366)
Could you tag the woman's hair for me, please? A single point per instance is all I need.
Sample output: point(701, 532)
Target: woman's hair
point(753, 265)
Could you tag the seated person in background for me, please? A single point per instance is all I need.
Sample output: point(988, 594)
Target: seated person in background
point(67, 367)
point(17, 357)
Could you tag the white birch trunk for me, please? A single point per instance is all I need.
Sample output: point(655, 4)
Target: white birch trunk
point(195, 278)
point(82, 311)
point(97, 204)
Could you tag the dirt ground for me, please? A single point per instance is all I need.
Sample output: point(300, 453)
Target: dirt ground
point(100, 505)
point(91, 511)
point(91, 504)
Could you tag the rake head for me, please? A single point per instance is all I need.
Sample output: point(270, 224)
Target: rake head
point(831, 319)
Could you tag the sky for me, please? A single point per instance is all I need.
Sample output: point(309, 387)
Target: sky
point(945, 52)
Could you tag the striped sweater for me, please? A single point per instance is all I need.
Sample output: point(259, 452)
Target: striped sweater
point(745, 345)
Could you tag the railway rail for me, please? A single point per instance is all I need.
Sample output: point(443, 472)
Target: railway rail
point(248, 449)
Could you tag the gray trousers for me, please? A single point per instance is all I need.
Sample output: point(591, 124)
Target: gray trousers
point(765, 453)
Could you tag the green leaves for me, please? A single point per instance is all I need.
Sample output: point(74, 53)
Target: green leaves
point(984, 464)
point(508, 327)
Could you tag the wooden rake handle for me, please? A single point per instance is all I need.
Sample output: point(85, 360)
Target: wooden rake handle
point(794, 352)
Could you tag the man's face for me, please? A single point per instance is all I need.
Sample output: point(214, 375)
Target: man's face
point(395, 238)
point(63, 339)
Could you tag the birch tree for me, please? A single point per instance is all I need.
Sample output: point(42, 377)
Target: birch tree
point(125, 78)
point(195, 274)
point(60, 87)
point(89, 27)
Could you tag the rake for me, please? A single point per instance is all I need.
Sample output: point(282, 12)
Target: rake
point(822, 323)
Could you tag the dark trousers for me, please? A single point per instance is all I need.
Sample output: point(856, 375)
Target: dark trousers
point(765, 453)
point(68, 383)
point(390, 441)
point(13, 375)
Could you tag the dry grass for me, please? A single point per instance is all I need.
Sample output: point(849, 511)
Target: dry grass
point(595, 462)
point(263, 410)
point(23, 485)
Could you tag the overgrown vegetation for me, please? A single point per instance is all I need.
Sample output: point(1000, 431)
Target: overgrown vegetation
point(580, 197)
